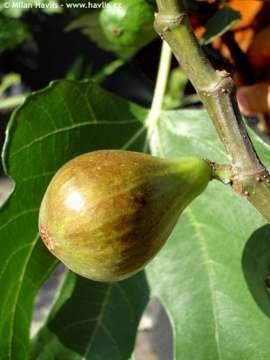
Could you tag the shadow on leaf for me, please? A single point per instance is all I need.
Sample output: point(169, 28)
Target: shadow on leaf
point(94, 319)
point(256, 266)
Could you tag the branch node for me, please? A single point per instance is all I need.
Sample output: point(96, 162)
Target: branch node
point(223, 73)
point(258, 178)
point(244, 184)
point(225, 85)
point(166, 23)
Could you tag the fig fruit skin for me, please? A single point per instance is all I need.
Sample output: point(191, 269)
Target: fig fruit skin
point(107, 213)
point(128, 23)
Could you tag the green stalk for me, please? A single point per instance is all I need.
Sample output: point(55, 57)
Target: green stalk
point(160, 87)
point(217, 92)
point(10, 103)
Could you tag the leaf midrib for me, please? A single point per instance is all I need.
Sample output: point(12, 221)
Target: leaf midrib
point(209, 273)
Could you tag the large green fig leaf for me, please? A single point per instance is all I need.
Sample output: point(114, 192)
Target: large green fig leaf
point(53, 125)
point(211, 273)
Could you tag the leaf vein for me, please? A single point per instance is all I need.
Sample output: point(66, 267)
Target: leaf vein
point(68, 128)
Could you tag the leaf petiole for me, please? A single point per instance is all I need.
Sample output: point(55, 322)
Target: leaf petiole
point(160, 87)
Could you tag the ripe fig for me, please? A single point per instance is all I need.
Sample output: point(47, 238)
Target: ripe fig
point(106, 213)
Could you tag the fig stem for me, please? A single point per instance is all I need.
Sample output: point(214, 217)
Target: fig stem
point(108, 70)
point(10, 103)
point(160, 87)
point(222, 172)
point(217, 92)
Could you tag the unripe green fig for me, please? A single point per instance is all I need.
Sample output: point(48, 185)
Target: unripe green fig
point(128, 23)
point(106, 213)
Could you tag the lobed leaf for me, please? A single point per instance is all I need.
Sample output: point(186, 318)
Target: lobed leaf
point(53, 125)
point(211, 273)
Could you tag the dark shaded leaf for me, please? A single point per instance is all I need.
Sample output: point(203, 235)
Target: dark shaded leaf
point(93, 320)
point(221, 22)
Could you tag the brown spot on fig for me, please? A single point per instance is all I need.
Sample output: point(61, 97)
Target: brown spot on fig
point(46, 238)
point(116, 31)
